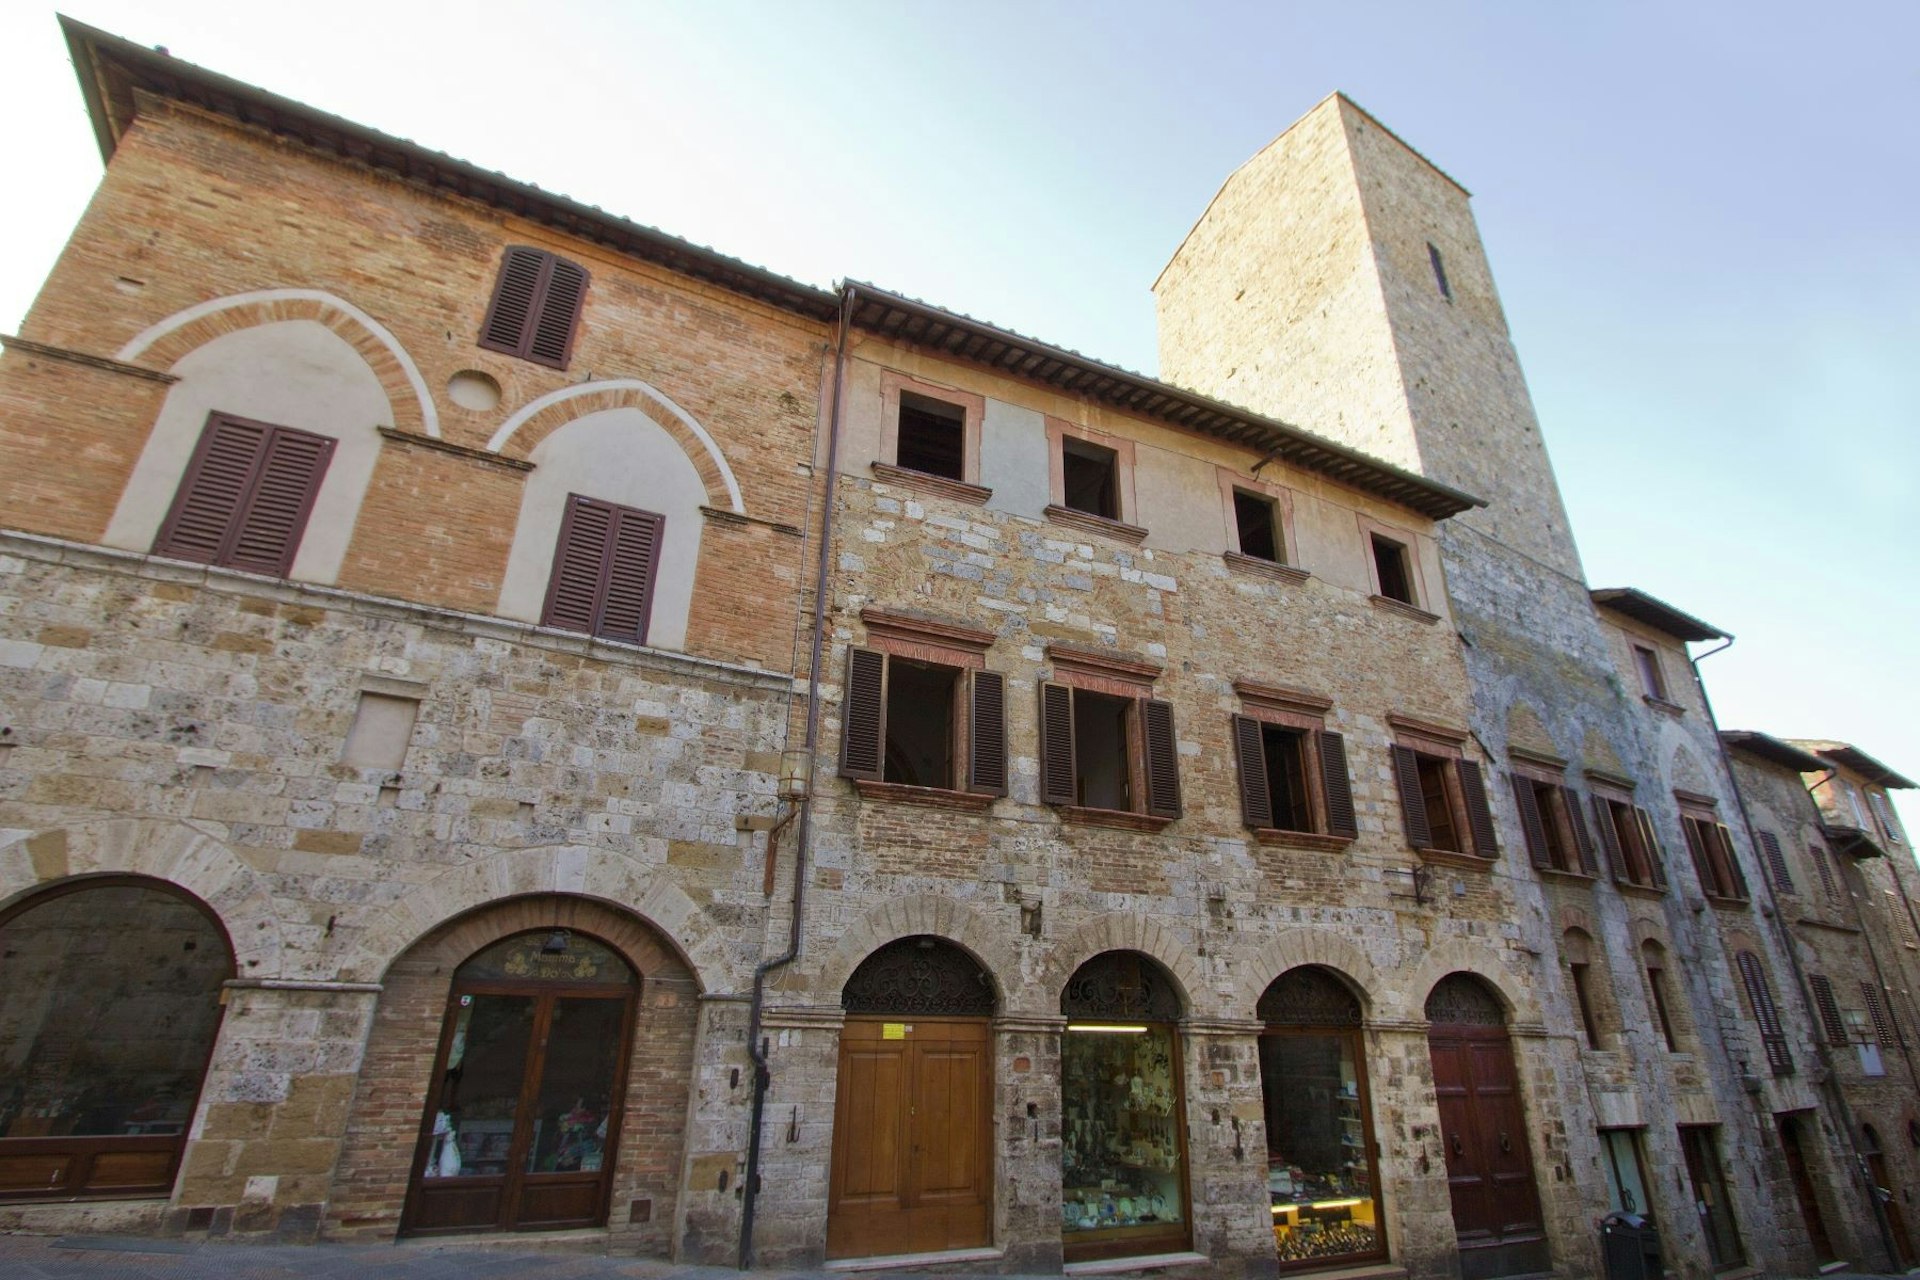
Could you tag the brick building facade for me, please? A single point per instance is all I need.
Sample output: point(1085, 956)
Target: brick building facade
point(629, 741)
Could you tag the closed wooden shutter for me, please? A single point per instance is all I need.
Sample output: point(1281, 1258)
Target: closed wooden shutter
point(1610, 840)
point(1413, 806)
point(603, 570)
point(1163, 758)
point(1337, 785)
point(1772, 1038)
point(1256, 801)
point(246, 496)
point(1473, 790)
point(1903, 923)
point(551, 342)
point(573, 590)
point(515, 294)
point(1737, 885)
point(536, 306)
point(1576, 818)
point(1532, 827)
point(1057, 771)
point(987, 734)
point(863, 715)
point(1883, 1029)
point(1776, 861)
point(1830, 1019)
point(1656, 860)
point(1824, 867)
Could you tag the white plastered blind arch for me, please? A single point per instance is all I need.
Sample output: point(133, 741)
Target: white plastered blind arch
point(622, 456)
point(293, 373)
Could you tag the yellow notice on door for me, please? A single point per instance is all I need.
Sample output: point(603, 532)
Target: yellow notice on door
point(894, 1030)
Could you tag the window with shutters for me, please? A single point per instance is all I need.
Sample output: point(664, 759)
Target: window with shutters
point(1776, 860)
point(930, 438)
point(603, 570)
point(1773, 1037)
point(1831, 1022)
point(536, 306)
point(923, 720)
point(1443, 795)
point(1823, 867)
point(1883, 811)
point(1090, 477)
point(1710, 845)
point(246, 496)
point(1294, 784)
point(1884, 1029)
point(1627, 840)
point(1903, 926)
point(1552, 821)
point(1107, 748)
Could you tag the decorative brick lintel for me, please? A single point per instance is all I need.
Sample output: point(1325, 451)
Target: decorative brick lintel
point(1283, 696)
point(1086, 522)
point(720, 515)
point(973, 495)
point(468, 452)
point(920, 626)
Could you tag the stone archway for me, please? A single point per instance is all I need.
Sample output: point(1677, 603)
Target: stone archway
point(1118, 932)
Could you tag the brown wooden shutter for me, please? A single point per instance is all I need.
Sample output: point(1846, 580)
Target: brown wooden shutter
point(1695, 832)
point(1724, 838)
point(1610, 840)
point(268, 531)
point(1883, 1029)
point(1531, 825)
point(1163, 758)
point(1771, 1036)
point(863, 715)
point(1776, 860)
point(1577, 819)
point(551, 342)
point(1473, 790)
point(1256, 801)
point(628, 591)
point(573, 589)
point(1824, 866)
point(987, 734)
point(1830, 1019)
point(246, 496)
point(1057, 771)
point(1413, 805)
point(216, 483)
point(1337, 785)
point(515, 295)
point(1656, 861)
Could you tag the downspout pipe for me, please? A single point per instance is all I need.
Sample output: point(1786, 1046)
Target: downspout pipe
point(803, 827)
point(1835, 1096)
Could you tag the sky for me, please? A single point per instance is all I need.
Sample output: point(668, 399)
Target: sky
point(1703, 219)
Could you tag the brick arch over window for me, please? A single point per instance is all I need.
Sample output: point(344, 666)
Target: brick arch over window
point(534, 421)
point(926, 913)
point(1296, 947)
point(389, 1096)
point(160, 850)
point(165, 343)
point(1118, 932)
point(612, 880)
point(1523, 1011)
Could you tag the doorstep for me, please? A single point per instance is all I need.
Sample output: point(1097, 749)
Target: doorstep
point(579, 1240)
point(1145, 1262)
point(894, 1261)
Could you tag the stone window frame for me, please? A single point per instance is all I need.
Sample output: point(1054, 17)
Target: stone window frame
point(1410, 545)
point(1424, 738)
point(1307, 712)
point(1287, 568)
point(1125, 528)
point(1708, 841)
point(1563, 817)
point(973, 408)
point(1610, 790)
point(1115, 676)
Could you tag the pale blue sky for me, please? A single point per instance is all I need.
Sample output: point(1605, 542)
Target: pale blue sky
point(1704, 222)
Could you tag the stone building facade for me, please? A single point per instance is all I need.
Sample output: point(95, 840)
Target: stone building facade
point(623, 740)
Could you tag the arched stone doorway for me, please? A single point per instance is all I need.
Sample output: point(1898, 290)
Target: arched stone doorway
point(912, 1128)
point(1124, 1180)
point(1496, 1203)
point(1321, 1175)
point(524, 1113)
point(108, 1013)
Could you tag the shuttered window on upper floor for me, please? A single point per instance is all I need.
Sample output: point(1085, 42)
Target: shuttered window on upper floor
point(603, 570)
point(246, 496)
point(1106, 751)
point(1829, 1009)
point(536, 307)
point(1293, 778)
point(1773, 1036)
point(923, 723)
point(1443, 803)
point(1554, 826)
point(1776, 859)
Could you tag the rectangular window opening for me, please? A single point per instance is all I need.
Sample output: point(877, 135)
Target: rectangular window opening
point(1286, 752)
point(1103, 770)
point(1439, 271)
point(1253, 517)
point(1632, 849)
point(1091, 478)
point(932, 436)
point(1390, 566)
point(1647, 663)
point(1584, 998)
point(1552, 825)
point(1434, 773)
point(1657, 986)
point(921, 703)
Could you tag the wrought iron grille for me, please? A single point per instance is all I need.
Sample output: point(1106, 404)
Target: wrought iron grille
point(1309, 996)
point(1121, 986)
point(920, 976)
point(1460, 999)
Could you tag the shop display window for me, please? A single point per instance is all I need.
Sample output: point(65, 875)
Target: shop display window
point(1321, 1178)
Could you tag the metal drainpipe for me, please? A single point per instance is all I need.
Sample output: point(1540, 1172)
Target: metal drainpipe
point(803, 829)
point(1836, 1099)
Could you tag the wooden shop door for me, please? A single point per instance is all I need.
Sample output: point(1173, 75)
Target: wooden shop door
point(911, 1138)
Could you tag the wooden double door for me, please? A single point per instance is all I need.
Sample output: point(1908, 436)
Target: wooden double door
point(911, 1137)
point(1496, 1204)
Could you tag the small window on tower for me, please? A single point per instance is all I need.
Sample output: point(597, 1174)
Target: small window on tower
point(1091, 474)
point(932, 436)
point(1391, 569)
point(1439, 271)
point(1253, 517)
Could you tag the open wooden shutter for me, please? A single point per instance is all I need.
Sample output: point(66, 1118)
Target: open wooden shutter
point(1776, 860)
point(1256, 801)
point(863, 715)
point(1473, 790)
point(1163, 758)
point(1413, 805)
point(1883, 1029)
point(1057, 771)
point(1656, 860)
point(634, 550)
point(551, 342)
point(1610, 841)
point(579, 559)
point(987, 734)
point(267, 534)
point(1696, 835)
point(1531, 825)
point(1577, 819)
point(515, 295)
point(1771, 1036)
point(1337, 785)
point(1737, 885)
point(1830, 1019)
